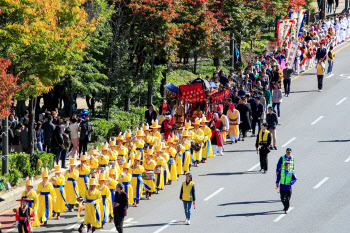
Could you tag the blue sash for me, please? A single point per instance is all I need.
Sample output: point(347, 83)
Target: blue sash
point(112, 194)
point(85, 180)
point(182, 156)
point(30, 203)
point(139, 182)
point(46, 194)
point(103, 165)
point(126, 187)
point(60, 187)
point(104, 209)
point(165, 175)
point(74, 186)
point(208, 145)
point(97, 213)
point(192, 156)
point(141, 152)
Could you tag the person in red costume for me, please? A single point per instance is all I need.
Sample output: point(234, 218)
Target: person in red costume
point(24, 216)
point(167, 126)
point(216, 127)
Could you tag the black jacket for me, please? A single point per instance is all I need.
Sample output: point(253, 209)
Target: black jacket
point(271, 120)
point(150, 117)
point(268, 142)
point(122, 199)
point(321, 54)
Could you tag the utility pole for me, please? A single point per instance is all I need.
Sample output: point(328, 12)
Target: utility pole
point(323, 10)
point(346, 6)
point(5, 149)
point(232, 50)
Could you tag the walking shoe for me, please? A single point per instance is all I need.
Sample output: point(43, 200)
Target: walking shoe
point(188, 222)
point(45, 224)
point(58, 217)
point(236, 141)
point(271, 148)
point(242, 139)
point(275, 148)
point(221, 153)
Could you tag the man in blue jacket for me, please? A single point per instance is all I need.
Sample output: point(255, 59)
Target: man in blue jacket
point(285, 179)
point(287, 157)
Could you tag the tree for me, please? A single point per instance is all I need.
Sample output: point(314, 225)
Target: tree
point(8, 88)
point(45, 39)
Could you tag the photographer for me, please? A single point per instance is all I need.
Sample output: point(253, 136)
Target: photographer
point(263, 140)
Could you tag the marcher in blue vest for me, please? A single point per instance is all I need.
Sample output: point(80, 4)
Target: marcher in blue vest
point(287, 157)
point(285, 180)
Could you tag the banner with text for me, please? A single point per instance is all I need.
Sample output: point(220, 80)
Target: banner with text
point(291, 53)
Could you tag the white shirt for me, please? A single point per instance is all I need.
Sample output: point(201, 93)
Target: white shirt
point(74, 131)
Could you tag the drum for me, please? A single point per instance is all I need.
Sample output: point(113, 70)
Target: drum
point(196, 146)
point(120, 160)
point(158, 169)
point(149, 175)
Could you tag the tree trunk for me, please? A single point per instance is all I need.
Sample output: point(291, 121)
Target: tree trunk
point(127, 101)
point(195, 63)
point(217, 61)
point(93, 106)
point(232, 50)
point(162, 86)
point(71, 101)
point(240, 59)
point(31, 130)
point(251, 45)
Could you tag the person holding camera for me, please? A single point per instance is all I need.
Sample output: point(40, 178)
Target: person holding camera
point(263, 140)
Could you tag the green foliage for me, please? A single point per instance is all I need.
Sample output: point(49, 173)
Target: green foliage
point(20, 162)
point(41, 159)
point(3, 181)
point(14, 176)
point(180, 77)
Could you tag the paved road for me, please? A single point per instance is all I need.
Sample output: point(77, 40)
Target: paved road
point(314, 124)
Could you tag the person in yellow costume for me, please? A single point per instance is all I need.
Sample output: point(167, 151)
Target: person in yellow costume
point(58, 182)
point(149, 178)
point(106, 199)
point(157, 137)
point(172, 163)
point(125, 178)
point(71, 186)
point(103, 160)
point(207, 150)
point(131, 148)
point(234, 119)
point(159, 169)
point(47, 196)
point(112, 185)
point(84, 172)
point(178, 158)
point(92, 208)
point(112, 153)
point(122, 152)
point(93, 161)
point(225, 122)
point(33, 200)
point(166, 156)
point(179, 112)
point(140, 143)
point(136, 181)
point(198, 138)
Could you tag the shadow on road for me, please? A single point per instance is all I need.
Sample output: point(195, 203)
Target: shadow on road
point(156, 224)
point(251, 214)
point(230, 173)
point(336, 141)
point(239, 150)
point(249, 202)
point(295, 92)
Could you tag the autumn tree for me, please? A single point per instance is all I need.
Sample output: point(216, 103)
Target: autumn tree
point(45, 39)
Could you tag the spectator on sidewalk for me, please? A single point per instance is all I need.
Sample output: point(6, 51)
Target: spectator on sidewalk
point(150, 115)
point(39, 136)
point(272, 122)
point(277, 98)
point(85, 129)
point(74, 136)
point(57, 144)
point(24, 138)
point(48, 128)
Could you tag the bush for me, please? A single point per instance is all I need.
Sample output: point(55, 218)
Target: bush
point(14, 176)
point(20, 162)
point(3, 182)
point(40, 160)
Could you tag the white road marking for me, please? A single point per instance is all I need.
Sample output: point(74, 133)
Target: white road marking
point(74, 225)
point(285, 144)
point(129, 220)
point(282, 215)
point(347, 160)
point(318, 119)
point(321, 183)
point(253, 168)
point(166, 226)
point(212, 195)
point(330, 76)
point(12, 229)
point(342, 100)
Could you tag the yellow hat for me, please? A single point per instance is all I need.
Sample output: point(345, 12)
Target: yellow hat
point(111, 143)
point(120, 138)
point(29, 182)
point(83, 158)
point(45, 173)
point(188, 125)
point(93, 181)
point(139, 133)
point(146, 128)
point(94, 152)
point(150, 151)
point(112, 171)
point(185, 133)
point(196, 122)
point(138, 155)
point(164, 146)
point(57, 168)
point(72, 161)
point(104, 147)
point(101, 176)
point(158, 148)
point(126, 165)
point(176, 139)
point(155, 125)
point(128, 135)
point(204, 119)
point(170, 140)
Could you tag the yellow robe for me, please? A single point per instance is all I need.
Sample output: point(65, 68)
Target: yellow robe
point(71, 193)
point(122, 152)
point(166, 168)
point(128, 189)
point(150, 183)
point(172, 164)
point(178, 160)
point(233, 119)
point(47, 196)
point(156, 137)
point(131, 153)
point(160, 176)
point(161, 119)
point(198, 137)
point(112, 185)
point(186, 153)
point(113, 155)
point(136, 183)
point(34, 204)
point(60, 205)
point(103, 162)
point(91, 208)
point(224, 129)
point(84, 172)
point(93, 164)
point(105, 204)
point(207, 149)
point(139, 146)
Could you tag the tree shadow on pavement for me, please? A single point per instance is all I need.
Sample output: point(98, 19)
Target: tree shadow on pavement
point(249, 202)
point(251, 214)
point(336, 141)
point(230, 173)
